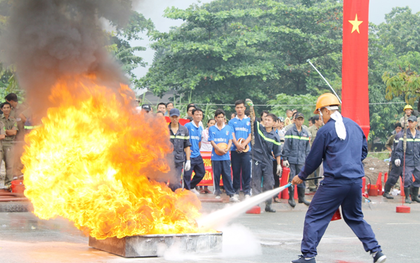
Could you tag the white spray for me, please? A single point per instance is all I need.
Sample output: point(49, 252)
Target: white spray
point(221, 217)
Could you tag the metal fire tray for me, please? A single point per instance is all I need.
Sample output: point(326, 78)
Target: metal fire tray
point(154, 245)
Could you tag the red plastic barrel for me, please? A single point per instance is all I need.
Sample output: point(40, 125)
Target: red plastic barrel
point(379, 184)
point(372, 189)
point(283, 181)
point(17, 186)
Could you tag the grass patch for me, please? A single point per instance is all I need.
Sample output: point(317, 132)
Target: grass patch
point(379, 155)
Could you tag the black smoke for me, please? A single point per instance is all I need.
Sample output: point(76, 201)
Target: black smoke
point(47, 39)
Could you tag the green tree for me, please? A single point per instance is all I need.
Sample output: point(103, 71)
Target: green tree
point(391, 49)
point(121, 49)
point(231, 49)
point(406, 82)
point(302, 103)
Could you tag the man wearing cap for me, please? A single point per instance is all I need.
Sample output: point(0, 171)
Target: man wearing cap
point(408, 110)
point(288, 127)
point(15, 113)
point(341, 146)
point(146, 108)
point(180, 139)
point(412, 160)
point(296, 148)
point(10, 128)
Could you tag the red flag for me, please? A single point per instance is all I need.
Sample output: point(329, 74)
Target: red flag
point(355, 94)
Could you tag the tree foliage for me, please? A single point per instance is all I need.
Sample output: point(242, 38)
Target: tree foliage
point(302, 103)
point(231, 49)
point(120, 46)
point(392, 54)
point(406, 82)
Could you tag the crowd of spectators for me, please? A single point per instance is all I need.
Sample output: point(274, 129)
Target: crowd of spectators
point(232, 156)
point(235, 165)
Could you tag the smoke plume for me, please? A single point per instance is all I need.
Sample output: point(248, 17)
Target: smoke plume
point(49, 39)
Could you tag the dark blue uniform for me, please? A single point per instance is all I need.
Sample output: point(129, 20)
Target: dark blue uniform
point(396, 171)
point(180, 141)
point(266, 143)
point(412, 158)
point(343, 171)
point(296, 148)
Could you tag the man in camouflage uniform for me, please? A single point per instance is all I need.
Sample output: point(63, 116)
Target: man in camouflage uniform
point(10, 128)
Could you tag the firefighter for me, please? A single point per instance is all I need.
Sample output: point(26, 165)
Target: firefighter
point(180, 139)
point(341, 145)
point(267, 144)
point(295, 149)
point(394, 171)
point(412, 160)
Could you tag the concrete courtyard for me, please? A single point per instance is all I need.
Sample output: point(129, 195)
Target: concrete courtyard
point(266, 237)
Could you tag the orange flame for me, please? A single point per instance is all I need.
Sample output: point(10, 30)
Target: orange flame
point(90, 161)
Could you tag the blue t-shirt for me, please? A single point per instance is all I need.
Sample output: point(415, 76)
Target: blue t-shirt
point(241, 128)
point(195, 138)
point(219, 136)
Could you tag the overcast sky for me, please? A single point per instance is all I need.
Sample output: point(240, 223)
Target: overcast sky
point(153, 9)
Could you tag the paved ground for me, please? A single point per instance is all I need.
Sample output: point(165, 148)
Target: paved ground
point(249, 238)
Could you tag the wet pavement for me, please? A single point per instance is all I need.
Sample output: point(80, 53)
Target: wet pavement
point(266, 237)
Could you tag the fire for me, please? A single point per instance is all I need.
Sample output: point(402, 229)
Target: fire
point(91, 159)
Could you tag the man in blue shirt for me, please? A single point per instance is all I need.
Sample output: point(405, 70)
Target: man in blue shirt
point(197, 164)
point(221, 133)
point(341, 146)
point(241, 151)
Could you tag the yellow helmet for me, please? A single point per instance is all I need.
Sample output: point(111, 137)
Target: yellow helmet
point(407, 107)
point(326, 99)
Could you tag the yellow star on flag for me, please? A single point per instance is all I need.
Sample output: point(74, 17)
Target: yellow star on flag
point(356, 23)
